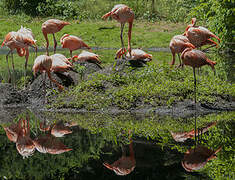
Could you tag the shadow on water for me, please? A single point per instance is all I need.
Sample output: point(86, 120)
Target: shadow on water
point(76, 146)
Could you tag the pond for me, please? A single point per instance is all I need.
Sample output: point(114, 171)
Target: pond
point(120, 146)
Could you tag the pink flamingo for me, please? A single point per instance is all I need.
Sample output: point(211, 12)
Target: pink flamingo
point(20, 41)
point(52, 26)
point(61, 64)
point(124, 165)
point(24, 144)
point(72, 43)
point(123, 14)
point(195, 159)
point(50, 144)
point(136, 54)
point(88, 57)
point(177, 45)
point(199, 35)
point(43, 63)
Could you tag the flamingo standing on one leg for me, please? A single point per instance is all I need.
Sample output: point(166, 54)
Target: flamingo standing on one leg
point(52, 26)
point(196, 59)
point(43, 63)
point(20, 41)
point(72, 43)
point(122, 14)
point(177, 45)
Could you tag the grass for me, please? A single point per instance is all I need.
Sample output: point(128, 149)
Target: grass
point(156, 85)
point(145, 35)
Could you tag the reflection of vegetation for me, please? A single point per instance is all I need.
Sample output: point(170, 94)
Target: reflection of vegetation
point(99, 136)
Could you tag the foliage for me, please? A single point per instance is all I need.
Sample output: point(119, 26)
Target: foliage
point(98, 136)
point(219, 17)
point(81, 9)
point(154, 85)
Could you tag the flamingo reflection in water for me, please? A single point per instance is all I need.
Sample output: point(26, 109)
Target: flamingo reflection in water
point(20, 134)
point(49, 143)
point(196, 158)
point(124, 165)
point(183, 136)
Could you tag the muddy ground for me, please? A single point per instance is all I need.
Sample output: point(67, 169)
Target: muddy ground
point(36, 94)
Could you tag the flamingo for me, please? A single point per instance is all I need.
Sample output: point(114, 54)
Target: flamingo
point(124, 165)
point(136, 54)
point(52, 26)
point(50, 144)
point(196, 58)
point(72, 43)
point(24, 144)
point(123, 14)
point(199, 35)
point(43, 63)
point(177, 45)
point(58, 129)
point(12, 132)
point(20, 41)
point(61, 64)
point(87, 56)
point(195, 159)
point(183, 136)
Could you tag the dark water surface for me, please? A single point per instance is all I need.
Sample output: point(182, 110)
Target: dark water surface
point(143, 143)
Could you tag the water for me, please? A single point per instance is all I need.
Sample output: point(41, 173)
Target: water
point(99, 138)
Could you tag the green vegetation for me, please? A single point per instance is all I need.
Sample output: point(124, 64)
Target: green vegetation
point(154, 85)
point(99, 136)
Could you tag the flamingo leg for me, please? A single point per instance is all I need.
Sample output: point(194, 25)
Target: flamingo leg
point(45, 35)
point(179, 60)
point(8, 68)
point(195, 101)
point(55, 43)
point(173, 58)
point(121, 35)
point(13, 68)
point(129, 37)
point(25, 66)
point(54, 81)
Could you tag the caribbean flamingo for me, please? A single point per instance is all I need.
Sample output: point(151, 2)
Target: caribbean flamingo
point(61, 64)
point(124, 165)
point(196, 58)
point(183, 136)
point(12, 132)
point(58, 129)
point(195, 159)
point(123, 14)
point(88, 57)
point(20, 41)
point(136, 54)
point(72, 43)
point(24, 144)
point(199, 35)
point(43, 63)
point(177, 45)
point(50, 144)
point(52, 26)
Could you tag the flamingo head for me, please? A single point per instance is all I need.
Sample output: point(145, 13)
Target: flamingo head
point(120, 53)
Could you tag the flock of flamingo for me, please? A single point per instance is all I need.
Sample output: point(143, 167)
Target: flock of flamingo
point(186, 44)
